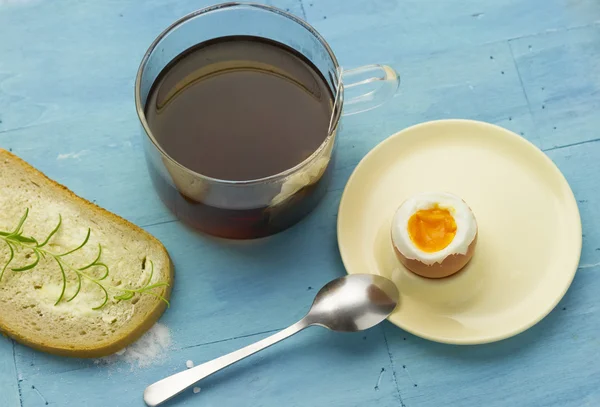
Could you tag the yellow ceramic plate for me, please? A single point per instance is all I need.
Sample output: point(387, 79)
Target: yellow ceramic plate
point(529, 229)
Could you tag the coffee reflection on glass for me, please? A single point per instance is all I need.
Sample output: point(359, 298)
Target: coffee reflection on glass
point(241, 104)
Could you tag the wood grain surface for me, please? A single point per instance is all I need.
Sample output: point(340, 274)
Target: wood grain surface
point(67, 69)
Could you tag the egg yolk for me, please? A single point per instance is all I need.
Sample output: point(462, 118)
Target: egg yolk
point(431, 230)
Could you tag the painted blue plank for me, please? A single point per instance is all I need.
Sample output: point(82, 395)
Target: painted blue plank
point(294, 7)
point(562, 81)
point(581, 167)
point(378, 27)
point(455, 62)
point(9, 387)
point(317, 368)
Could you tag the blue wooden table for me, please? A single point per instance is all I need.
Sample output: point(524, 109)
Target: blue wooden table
point(66, 105)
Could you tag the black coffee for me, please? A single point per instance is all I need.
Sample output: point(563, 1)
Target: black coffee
point(240, 108)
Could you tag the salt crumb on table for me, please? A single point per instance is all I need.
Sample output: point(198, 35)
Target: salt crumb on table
point(150, 348)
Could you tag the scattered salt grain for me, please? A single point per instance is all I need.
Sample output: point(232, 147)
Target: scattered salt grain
point(189, 364)
point(150, 348)
point(197, 390)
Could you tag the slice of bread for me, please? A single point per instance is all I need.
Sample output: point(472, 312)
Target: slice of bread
point(27, 298)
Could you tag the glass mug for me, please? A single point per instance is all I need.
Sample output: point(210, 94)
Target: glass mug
point(260, 207)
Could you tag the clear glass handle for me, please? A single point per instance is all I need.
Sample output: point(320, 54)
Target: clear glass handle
point(380, 83)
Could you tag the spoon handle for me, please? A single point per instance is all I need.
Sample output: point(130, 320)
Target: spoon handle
point(169, 387)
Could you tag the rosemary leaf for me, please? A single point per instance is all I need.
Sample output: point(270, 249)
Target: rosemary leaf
point(45, 242)
point(10, 258)
point(87, 237)
point(77, 290)
point(64, 279)
point(17, 230)
point(29, 266)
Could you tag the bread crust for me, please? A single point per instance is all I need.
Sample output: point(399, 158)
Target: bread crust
point(38, 341)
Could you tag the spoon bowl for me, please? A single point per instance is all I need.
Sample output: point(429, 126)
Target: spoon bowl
point(353, 303)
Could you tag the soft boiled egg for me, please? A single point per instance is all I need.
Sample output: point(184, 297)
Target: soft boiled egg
point(434, 234)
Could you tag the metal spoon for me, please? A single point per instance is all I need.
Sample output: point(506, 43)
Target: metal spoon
point(347, 304)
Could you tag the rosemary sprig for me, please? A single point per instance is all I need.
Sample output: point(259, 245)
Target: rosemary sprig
point(15, 241)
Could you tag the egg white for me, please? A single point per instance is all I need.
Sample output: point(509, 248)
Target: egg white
point(466, 226)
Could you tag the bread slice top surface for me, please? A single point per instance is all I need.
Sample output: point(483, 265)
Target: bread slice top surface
point(28, 312)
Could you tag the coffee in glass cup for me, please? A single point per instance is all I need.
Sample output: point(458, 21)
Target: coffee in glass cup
point(240, 104)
